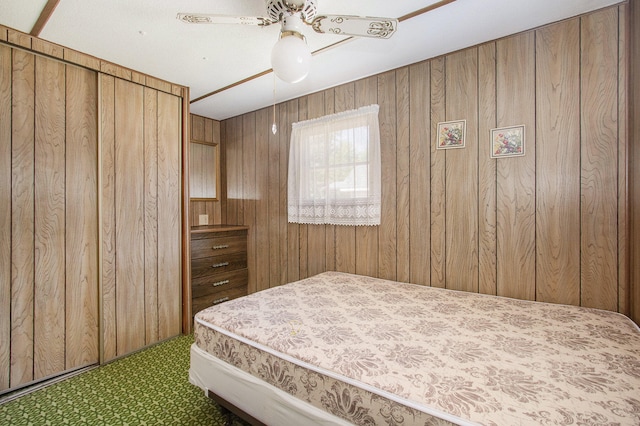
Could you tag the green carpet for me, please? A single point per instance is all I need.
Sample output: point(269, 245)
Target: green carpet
point(150, 387)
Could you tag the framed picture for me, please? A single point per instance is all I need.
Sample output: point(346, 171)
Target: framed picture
point(507, 141)
point(451, 134)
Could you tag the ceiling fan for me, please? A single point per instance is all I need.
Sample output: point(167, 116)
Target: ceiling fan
point(291, 57)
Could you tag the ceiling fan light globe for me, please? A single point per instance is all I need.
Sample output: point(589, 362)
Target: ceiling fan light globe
point(291, 59)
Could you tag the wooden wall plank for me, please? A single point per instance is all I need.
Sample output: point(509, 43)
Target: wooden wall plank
point(438, 175)
point(345, 236)
point(634, 156)
point(82, 212)
point(486, 170)
point(330, 230)
point(262, 217)
point(198, 128)
point(108, 216)
point(316, 234)
point(197, 174)
point(129, 172)
point(5, 213)
point(214, 208)
point(624, 280)
point(273, 198)
point(419, 176)
point(49, 227)
point(303, 229)
point(387, 234)
point(516, 176)
point(599, 139)
point(169, 215)
point(461, 230)
point(558, 163)
point(249, 195)
point(234, 170)
point(22, 217)
point(366, 93)
point(151, 205)
point(403, 168)
point(223, 172)
point(293, 250)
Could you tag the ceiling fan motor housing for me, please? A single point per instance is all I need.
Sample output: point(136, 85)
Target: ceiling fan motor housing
point(277, 9)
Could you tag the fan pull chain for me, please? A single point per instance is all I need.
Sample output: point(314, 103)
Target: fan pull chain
point(274, 126)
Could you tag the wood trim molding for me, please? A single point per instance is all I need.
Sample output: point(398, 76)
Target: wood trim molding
point(44, 17)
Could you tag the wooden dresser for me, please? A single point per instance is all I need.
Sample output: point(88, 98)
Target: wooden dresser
point(218, 264)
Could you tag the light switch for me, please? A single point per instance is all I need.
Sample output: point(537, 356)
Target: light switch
point(203, 219)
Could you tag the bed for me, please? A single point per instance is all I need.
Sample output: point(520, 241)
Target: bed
point(339, 348)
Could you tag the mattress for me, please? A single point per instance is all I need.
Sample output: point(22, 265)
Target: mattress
point(377, 352)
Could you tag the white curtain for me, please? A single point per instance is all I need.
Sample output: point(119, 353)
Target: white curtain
point(334, 169)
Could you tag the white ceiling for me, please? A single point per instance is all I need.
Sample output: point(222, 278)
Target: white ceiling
point(145, 35)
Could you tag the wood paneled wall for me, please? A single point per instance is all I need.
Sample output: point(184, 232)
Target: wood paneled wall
point(48, 218)
point(549, 226)
point(207, 130)
point(90, 210)
point(141, 215)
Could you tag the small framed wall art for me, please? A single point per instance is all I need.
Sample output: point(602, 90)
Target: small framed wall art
point(507, 141)
point(451, 134)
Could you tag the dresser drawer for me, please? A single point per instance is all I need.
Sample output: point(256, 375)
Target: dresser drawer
point(217, 246)
point(208, 266)
point(205, 286)
point(219, 270)
point(200, 303)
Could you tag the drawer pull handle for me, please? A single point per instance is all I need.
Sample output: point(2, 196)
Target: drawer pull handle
point(224, 299)
point(220, 265)
point(219, 283)
point(221, 246)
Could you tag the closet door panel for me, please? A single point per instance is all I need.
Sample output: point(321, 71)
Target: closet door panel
point(151, 214)
point(108, 216)
point(82, 218)
point(5, 213)
point(129, 203)
point(169, 215)
point(22, 217)
point(49, 291)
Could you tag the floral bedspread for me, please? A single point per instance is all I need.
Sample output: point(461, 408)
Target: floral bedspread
point(379, 352)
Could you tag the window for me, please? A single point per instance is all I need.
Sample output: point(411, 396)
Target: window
point(334, 169)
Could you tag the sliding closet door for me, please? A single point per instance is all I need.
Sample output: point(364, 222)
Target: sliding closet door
point(82, 218)
point(141, 219)
point(169, 216)
point(48, 217)
point(5, 215)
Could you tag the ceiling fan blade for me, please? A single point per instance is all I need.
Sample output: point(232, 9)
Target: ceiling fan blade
point(203, 18)
point(358, 26)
